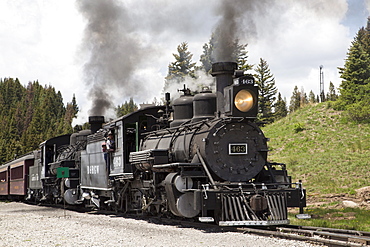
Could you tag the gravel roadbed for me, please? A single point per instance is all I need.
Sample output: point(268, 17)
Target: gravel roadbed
point(31, 225)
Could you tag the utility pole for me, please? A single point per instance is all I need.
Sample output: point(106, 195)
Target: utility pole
point(322, 93)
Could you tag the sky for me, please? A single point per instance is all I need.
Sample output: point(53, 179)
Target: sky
point(105, 52)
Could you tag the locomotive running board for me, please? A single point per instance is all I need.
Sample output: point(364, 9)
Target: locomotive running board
point(95, 188)
point(254, 223)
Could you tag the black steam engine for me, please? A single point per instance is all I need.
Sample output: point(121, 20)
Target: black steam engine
point(208, 161)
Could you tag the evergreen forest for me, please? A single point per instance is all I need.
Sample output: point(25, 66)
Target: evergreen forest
point(29, 115)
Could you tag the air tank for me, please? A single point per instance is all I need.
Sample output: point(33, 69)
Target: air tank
point(182, 110)
point(204, 106)
point(79, 137)
point(73, 139)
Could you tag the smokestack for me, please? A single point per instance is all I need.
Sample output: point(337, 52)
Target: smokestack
point(223, 71)
point(96, 122)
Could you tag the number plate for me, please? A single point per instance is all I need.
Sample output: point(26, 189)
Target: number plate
point(237, 148)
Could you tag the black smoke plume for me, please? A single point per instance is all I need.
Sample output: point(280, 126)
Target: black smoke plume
point(236, 23)
point(113, 52)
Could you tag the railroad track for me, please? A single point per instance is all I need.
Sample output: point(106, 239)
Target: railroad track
point(328, 236)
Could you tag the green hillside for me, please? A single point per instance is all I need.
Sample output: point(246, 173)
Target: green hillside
point(329, 155)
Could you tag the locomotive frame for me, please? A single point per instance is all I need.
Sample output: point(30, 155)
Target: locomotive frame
point(209, 162)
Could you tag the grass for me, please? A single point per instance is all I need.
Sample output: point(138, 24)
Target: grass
point(343, 218)
point(330, 156)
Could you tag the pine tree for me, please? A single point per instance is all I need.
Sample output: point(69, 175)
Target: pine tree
point(295, 100)
point(267, 91)
point(364, 36)
point(71, 113)
point(206, 58)
point(304, 99)
point(311, 97)
point(280, 108)
point(35, 132)
point(11, 92)
point(332, 96)
point(239, 55)
point(126, 108)
point(183, 66)
point(356, 72)
point(355, 87)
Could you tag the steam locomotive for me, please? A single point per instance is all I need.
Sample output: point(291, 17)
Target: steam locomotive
point(207, 161)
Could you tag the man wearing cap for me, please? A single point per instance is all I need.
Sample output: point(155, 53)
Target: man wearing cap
point(110, 148)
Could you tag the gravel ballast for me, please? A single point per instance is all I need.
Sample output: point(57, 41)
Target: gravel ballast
point(31, 225)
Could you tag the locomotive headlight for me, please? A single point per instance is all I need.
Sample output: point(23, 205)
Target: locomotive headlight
point(244, 100)
point(241, 100)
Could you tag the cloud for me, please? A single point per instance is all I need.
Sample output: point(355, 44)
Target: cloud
point(39, 43)
point(367, 3)
point(296, 37)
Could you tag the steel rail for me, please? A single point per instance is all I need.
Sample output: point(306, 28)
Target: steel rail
point(313, 235)
point(345, 231)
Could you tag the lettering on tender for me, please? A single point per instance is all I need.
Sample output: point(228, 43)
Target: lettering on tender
point(92, 169)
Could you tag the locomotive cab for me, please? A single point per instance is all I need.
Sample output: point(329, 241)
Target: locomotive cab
point(101, 169)
point(44, 185)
